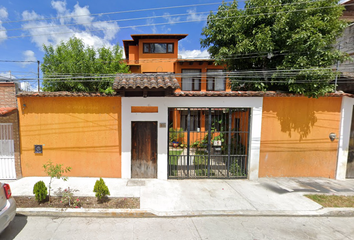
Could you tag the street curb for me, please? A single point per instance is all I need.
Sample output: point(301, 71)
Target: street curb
point(93, 212)
point(139, 213)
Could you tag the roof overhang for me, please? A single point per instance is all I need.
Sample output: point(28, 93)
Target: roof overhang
point(146, 84)
point(6, 110)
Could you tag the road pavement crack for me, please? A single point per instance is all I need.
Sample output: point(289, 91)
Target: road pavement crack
point(244, 197)
point(200, 237)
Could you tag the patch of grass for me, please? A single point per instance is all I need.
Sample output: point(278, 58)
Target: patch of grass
point(333, 200)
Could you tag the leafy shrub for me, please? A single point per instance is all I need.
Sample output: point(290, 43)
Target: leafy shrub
point(101, 189)
point(40, 191)
point(236, 170)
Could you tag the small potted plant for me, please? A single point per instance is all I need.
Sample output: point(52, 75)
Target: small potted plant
point(176, 136)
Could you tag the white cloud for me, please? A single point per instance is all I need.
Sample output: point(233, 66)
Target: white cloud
point(82, 14)
point(150, 22)
point(28, 87)
point(3, 32)
point(193, 16)
point(94, 33)
point(59, 6)
point(7, 75)
point(170, 19)
point(194, 54)
point(3, 13)
point(28, 56)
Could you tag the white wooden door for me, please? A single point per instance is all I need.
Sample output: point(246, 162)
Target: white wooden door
point(7, 153)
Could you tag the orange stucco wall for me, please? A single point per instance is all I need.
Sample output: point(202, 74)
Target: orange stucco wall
point(81, 132)
point(133, 53)
point(157, 62)
point(294, 141)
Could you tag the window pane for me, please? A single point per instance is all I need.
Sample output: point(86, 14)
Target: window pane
point(187, 84)
point(219, 78)
point(210, 84)
point(146, 47)
point(187, 79)
point(170, 47)
point(158, 48)
point(220, 84)
point(196, 84)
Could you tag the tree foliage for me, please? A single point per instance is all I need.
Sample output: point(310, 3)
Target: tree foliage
point(76, 63)
point(290, 36)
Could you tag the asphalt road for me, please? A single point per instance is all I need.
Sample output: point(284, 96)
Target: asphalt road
point(38, 228)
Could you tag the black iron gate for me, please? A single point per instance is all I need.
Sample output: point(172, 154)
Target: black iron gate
point(208, 142)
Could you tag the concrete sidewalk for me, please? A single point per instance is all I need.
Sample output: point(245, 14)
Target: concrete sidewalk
point(207, 197)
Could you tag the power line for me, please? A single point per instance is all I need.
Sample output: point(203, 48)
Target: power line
point(119, 12)
point(143, 18)
point(168, 23)
point(108, 21)
point(17, 61)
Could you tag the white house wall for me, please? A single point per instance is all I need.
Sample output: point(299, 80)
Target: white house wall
point(163, 103)
point(344, 136)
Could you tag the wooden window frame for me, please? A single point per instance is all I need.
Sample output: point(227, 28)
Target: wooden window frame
point(193, 79)
point(149, 47)
point(213, 79)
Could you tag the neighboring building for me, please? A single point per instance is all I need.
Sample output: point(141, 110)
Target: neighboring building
point(345, 43)
point(178, 118)
point(10, 163)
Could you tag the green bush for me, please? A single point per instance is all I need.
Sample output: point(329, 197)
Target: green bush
point(101, 189)
point(40, 191)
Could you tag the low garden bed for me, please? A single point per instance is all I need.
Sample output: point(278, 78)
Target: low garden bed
point(84, 202)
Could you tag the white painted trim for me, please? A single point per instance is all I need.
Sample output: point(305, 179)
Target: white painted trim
point(344, 136)
point(163, 103)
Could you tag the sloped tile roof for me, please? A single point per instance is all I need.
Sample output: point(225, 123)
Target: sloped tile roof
point(249, 94)
point(145, 81)
point(6, 110)
point(63, 94)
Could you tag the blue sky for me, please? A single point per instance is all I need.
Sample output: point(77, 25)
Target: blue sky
point(15, 16)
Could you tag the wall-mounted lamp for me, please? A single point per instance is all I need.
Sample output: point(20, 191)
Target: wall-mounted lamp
point(24, 106)
point(332, 136)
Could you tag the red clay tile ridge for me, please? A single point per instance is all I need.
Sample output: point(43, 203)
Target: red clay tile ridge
point(63, 94)
point(6, 110)
point(145, 80)
point(250, 94)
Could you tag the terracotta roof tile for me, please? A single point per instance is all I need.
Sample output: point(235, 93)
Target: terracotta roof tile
point(146, 80)
point(62, 94)
point(6, 110)
point(249, 94)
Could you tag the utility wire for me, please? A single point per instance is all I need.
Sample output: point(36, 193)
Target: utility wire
point(119, 12)
point(168, 23)
point(143, 18)
point(154, 9)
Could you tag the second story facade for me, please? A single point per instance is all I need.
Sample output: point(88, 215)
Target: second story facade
point(158, 53)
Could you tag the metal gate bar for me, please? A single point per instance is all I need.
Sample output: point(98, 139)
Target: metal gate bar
point(208, 142)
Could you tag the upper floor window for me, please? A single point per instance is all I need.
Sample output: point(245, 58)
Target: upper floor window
point(158, 47)
point(191, 79)
point(216, 80)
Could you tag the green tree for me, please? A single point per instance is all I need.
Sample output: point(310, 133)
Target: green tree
point(72, 60)
point(294, 37)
